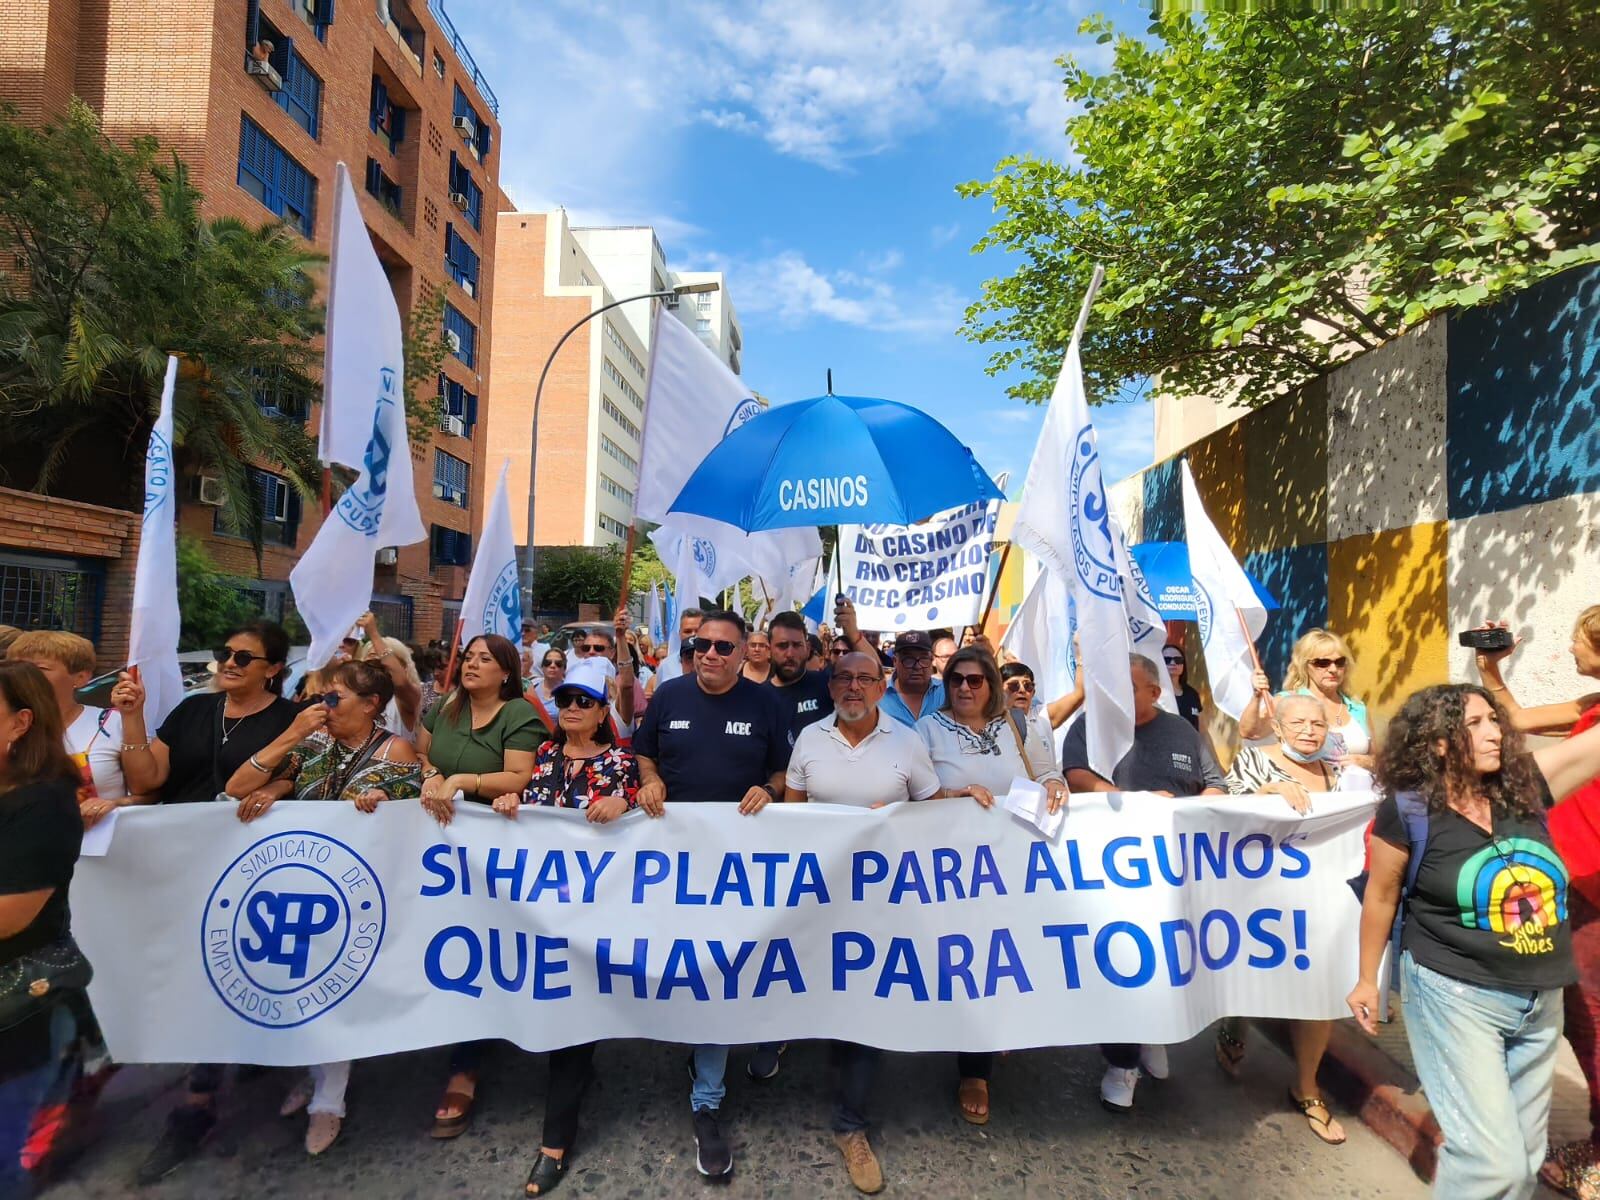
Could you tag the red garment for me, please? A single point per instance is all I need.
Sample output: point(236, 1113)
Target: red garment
point(1575, 826)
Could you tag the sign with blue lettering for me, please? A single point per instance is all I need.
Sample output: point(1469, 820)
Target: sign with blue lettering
point(930, 926)
point(931, 575)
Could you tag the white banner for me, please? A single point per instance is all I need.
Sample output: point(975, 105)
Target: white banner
point(153, 631)
point(319, 933)
point(932, 575)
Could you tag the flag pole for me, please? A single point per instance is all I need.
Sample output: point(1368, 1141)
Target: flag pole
point(994, 592)
point(455, 647)
point(1272, 710)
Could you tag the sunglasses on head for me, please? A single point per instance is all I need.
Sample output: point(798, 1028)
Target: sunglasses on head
point(1322, 664)
point(568, 699)
point(241, 658)
point(957, 679)
point(706, 645)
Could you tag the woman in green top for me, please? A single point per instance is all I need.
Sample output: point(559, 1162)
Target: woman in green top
point(480, 742)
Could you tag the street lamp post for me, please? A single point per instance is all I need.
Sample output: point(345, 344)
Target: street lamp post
point(686, 289)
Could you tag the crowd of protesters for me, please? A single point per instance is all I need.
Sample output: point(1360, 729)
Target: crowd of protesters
point(749, 716)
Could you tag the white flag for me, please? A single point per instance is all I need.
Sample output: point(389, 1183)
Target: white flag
point(1040, 635)
point(493, 603)
point(652, 616)
point(1223, 594)
point(1147, 629)
point(1063, 518)
point(333, 582)
point(153, 636)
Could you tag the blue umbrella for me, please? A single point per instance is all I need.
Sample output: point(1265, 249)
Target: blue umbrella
point(1166, 570)
point(834, 460)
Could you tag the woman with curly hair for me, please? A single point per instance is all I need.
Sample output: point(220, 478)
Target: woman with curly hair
point(1485, 948)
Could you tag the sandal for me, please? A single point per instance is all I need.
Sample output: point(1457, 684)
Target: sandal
point(1230, 1052)
point(1572, 1170)
point(298, 1098)
point(546, 1173)
point(969, 1094)
point(1321, 1126)
point(459, 1104)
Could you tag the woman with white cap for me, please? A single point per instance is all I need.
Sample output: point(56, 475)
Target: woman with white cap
point(581, 766)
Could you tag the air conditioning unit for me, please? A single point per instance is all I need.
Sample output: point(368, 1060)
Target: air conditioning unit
point(453, 340)
point(466, 127)
point(209, 491)
point(459, 199)
point(454, 425)
point(387, 557)
point(266, 74)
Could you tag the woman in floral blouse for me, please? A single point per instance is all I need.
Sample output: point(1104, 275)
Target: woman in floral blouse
point(580, 767)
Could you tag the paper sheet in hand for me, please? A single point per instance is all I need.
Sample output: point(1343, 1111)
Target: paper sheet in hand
point(1029, 801)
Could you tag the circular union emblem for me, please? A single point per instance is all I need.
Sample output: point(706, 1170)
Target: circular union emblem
point(1091, 529)
point(742, 412)
point(291, 928)
point(705, 557)
point(503, 608)
point(1203, 610)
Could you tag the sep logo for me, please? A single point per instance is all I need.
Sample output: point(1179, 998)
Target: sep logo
point(291, 928)
point(502, 611)
point(1092, 555)
point(361, 507)
point(742, 412)
point(705, 556)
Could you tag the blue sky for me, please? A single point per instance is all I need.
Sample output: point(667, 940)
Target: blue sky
point(811, 151)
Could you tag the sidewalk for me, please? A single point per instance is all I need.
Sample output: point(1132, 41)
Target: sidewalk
point(1375, 1079)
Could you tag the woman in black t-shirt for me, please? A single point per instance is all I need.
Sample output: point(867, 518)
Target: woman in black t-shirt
point(40, 833)
point(1485, 947)
point(1188, 699)
point(197, 749)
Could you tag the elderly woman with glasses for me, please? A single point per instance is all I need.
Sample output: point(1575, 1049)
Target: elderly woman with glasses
point(1319, 666)
point(978, 747)
point(1022, 696)
point(336, 749)
point(580, 767)
point(1295, 767)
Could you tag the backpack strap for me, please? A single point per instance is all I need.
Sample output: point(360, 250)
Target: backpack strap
point(1413, 808)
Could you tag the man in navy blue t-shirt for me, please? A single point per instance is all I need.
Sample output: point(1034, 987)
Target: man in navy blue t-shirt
point(717, 736)
point(803, 694)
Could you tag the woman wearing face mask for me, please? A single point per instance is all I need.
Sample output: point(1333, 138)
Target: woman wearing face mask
point(1319, 666)
point(478, 743)
point(191, 758)
point(1295, 767)
point(1486, 942)
point(581, 767)
point(978, 748)
point(338, 749)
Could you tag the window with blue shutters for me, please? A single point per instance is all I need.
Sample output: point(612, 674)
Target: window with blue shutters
point(280, 509)
point(301, 93)
point(451, 479)
point(460, 260)
point(385, 189)
point(277, 396)
point(269, 174)
point(456, 401)
point(466, 339)
point(451, 547)
point(464, 193)
point(386, 118)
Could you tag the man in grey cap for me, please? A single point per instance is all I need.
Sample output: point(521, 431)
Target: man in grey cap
point(914, 692)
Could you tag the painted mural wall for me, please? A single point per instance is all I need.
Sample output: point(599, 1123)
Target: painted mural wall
point(1447, 477)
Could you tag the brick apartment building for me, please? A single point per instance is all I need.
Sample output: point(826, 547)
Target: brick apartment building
point(261, 99)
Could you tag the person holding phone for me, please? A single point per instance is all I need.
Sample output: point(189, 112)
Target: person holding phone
point(1575, 826)
point(190, 759)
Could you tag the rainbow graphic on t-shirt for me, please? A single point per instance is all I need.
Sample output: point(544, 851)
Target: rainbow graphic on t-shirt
point(1517, 887)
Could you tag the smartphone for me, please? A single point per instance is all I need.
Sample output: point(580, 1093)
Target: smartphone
point(97, 692)
point(1487, 639)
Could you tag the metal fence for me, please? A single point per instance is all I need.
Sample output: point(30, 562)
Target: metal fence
point(51, 593)
point(394, 615)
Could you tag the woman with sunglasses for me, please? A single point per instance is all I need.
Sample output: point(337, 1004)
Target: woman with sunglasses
point(1319, 666)
point(581, 767)
point(978, 746)
point(1486, 944)
point(478, 744)
point(1022, 696)
point(194, 754)
point(1177, 663)
point(552, 670)
point(336, 749)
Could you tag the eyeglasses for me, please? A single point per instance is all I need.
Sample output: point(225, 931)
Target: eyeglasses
point(331, 699)
point(592, 647)
point(861, 681)
point(1322, 664)
point(1019, 685)
point(722, 647)
point(568, 699)
point(241, 658)
point(554, 662)
point(958, 679)
point(839, 651)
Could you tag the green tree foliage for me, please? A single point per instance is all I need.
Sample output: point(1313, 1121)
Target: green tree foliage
point(116, 270)
point(209, 602)
point(567, 576)
point(425, 348)
point(1271, 193)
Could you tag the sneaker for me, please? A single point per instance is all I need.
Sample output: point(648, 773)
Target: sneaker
point(187, 1127)
point(1116, 1088)
point(1153, 1061)
point(712, 1154)
point(860, 1161)
point(765, 1061)
point(322, 1131)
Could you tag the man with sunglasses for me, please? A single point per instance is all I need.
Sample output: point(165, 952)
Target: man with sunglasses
point(712, 736)
point(915, 692)
point(627, 698)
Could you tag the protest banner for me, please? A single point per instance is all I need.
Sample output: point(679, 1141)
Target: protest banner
point(318, 933)
point(932, 575)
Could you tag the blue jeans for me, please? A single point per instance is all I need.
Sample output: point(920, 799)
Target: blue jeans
point(710, 1066)
point(21, 1095)
point(1487, 1060)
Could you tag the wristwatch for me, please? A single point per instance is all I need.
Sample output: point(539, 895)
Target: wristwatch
point(430, 773)
point(771, 791)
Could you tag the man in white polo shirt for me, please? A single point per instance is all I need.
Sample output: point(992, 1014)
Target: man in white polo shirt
point(862, 757)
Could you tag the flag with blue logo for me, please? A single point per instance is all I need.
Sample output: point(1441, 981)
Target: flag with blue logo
point(1147, 628)
point(153, 636)
point(653, 621)
point(493, 603)
point(364, 372)
point(1227, 606)
point(1064, 519)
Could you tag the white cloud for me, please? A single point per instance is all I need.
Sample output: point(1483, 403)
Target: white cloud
point(788, 288)
point(943, 235)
